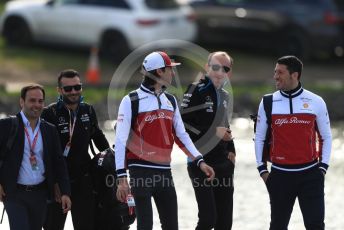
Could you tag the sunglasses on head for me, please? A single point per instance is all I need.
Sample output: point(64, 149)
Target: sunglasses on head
point(69, 88)
point(218, 67)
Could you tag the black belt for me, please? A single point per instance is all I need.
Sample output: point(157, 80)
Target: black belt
point(30, 188)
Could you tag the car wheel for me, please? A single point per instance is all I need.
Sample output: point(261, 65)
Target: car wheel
point(17, 32)
point(114, 46)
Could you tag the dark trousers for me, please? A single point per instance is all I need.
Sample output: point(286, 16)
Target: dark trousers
point(83, 206)
point(26, 209)
point(109, 219)
point(147, 183)
point(214, 199)
point(307, 186)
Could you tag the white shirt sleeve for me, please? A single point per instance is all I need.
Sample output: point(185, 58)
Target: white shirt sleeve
point(261, 129)
point(122, 135)
point(323, 123)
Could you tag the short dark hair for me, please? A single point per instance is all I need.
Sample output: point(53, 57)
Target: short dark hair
point(67, 73)
point(31, 87)
point(293, 64)
point(148, 77)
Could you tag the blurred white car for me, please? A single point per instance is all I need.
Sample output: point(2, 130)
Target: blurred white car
point(115, 26)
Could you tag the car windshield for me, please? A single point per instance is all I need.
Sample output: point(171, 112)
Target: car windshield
point(242, 1)
point(114, 3)
point(160, 5)
point(62, 2)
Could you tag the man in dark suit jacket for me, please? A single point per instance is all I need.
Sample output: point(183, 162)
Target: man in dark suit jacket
point(32, 166)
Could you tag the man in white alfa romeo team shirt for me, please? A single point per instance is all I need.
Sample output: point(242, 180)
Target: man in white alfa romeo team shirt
point(145, 147)
point(300, 148)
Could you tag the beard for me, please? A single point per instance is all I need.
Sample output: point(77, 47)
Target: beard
point(66, 99)
point(33, 115)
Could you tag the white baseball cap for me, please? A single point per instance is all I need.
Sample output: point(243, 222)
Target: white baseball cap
point(157, 60)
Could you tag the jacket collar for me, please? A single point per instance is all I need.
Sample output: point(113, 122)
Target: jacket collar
point(26, 121)
point(150, 89)
point(147, 89)
point(206, 83)
point(294, 92)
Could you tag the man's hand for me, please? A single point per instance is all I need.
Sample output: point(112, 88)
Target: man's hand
point(123, 189)
point(208, 171)
point(57, 193)
point(231, 157)
point(265, 176)
point(224, 133)
point(2, 193)
point(66, 203)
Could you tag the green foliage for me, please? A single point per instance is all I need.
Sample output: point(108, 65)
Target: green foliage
point(2, 6)
point(38, 58)
point(51, 58)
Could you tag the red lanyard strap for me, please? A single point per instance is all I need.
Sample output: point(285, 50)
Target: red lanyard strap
point(33, 145)
point(71, 126)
